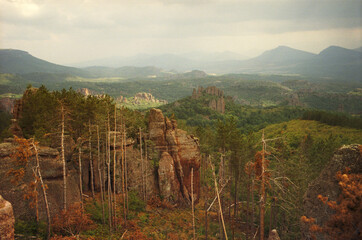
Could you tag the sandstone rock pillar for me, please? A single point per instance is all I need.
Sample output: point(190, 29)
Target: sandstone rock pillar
point(7, 220)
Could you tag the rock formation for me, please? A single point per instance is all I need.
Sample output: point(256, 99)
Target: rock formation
point(7, 220)
point(85, 91)
point(217, 103)
point(7, 104)
point(52, 173)
point(214, 91)
point(273, 235)
point(178, 153)
point(141, 98)
point(327, 185)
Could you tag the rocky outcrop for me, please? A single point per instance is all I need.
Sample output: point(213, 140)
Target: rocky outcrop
point(7, 220)
point(327, 185)
point(214, 91)
point(7, 104)
point(18, 105)
point(52, 173)
point(273, 235)
point(178, 153)
point(217, 103)
point(136, 178)
point(85, 91)
point(141, 98)
point(168, 183)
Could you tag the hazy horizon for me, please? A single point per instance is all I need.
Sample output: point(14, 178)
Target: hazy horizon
point(67, 32)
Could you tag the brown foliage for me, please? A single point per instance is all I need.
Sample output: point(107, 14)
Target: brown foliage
point(156, 202)
point(346, 222)
point(72, 221)
point(258, 164)
point(20, 158)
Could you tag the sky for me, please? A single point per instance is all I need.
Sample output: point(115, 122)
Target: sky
point(71, 31)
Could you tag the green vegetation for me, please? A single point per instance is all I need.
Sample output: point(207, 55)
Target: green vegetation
point(196, 113)
point(334, 119)
point(297, 150)
point(5, 121)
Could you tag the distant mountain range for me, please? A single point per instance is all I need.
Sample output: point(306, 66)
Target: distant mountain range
point(332, 63)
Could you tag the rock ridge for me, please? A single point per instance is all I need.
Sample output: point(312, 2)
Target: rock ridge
point(179, 153)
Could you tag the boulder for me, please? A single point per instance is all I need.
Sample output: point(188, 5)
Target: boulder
point(273, 235)
point(52, 173)
point(135, 177)
point(7, 104)
point(167, 178)
point(327, 185)
point(185, 153)
point(7, 220)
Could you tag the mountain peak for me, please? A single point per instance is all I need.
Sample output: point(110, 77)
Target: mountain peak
point(284, 54)
point(336, 51)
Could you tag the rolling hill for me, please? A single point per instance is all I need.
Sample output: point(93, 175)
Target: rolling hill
point(21, 62)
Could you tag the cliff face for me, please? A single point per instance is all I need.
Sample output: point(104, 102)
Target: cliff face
point(7, 104)
point(7, 220)
point(327, 185)
point(218, 103)
point(179, 153)
point(52, 173)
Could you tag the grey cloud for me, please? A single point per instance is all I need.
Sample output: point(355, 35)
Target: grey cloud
point(163, 24)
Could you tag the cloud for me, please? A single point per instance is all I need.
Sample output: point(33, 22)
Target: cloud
point(168, 25)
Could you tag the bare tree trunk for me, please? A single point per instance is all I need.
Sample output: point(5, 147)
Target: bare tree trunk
point(252, 205)
point(126, 174)
point(64, 164)
point(36, 197)
point(142, 167)
point(271, 216)
point(43, 188)
point(109, 178)
point(192, 201)
point(80, 174)
point(218, 198)
point(248, 207)
point(146, 163)
point(100, 174)
point(205, 220)
point(262, 191)
point(235, 203)
point(91, 159)
point(114, 166)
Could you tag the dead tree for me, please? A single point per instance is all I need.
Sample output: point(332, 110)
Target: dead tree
point(218, 199)
point(43, 186)
point(142, 167)
point(100, 174)
point(91, 159)
point(63, 158)
point(125, 172)
point(80, 171)
point(114, 166)
point(192, 201)
point(109, 176)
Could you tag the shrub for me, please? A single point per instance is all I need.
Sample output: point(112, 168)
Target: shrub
point(135, 203)
point(72, 221)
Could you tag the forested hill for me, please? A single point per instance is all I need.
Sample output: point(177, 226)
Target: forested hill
point(21, 62)
point(199, 113)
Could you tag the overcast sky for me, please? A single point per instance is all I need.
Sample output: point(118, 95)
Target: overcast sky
point(69, 31)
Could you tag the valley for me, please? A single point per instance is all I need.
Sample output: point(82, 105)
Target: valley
point(158, 152)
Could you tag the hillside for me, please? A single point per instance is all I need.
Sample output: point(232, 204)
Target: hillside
point(334, 62)
point(230, 136)
point(21, 62)
point(281, 58)
point(331, 63)
point(199, 113)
